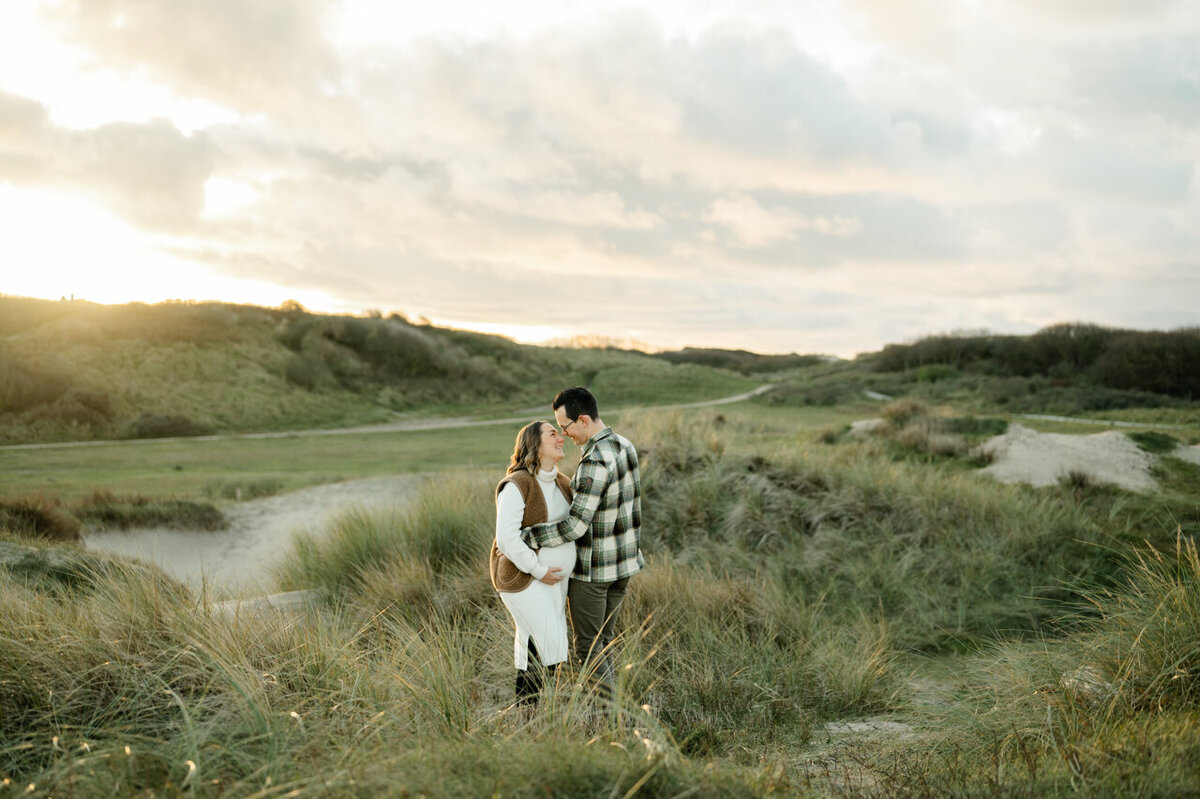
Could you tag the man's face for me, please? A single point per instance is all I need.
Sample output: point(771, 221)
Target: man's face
point(571, 429)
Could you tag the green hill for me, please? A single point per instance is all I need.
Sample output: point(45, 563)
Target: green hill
point(1068, 369)
point(80, 371)
point(74, 370)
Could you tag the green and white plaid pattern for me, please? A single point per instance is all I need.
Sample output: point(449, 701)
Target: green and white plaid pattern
point(605, 521)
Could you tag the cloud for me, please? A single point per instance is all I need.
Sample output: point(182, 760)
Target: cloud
point(752, 226)
point(753, 91)
point(150, 173)
point(252, 56)
point(1157, 76)
point(729, 185)
point(1111, 169)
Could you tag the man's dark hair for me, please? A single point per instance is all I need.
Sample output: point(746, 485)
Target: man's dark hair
point(578, 401)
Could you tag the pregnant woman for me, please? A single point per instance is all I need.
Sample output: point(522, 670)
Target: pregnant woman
point(533, 584)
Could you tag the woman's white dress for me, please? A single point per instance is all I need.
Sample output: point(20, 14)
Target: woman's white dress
point(539, 610)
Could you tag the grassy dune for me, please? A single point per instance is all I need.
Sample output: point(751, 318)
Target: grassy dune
point(76, 371)
point(999, 640)
point(794, 580)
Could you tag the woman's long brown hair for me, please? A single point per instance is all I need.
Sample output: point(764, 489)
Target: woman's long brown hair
point(525, 452)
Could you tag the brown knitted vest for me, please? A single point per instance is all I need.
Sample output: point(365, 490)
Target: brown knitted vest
point(505, 575)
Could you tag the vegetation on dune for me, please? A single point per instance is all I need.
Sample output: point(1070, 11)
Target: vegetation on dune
point(1111, 710)
point(1129, 363)
point(747, 363)
point(1022, 641)
point(51, 518)
point(793, 580)
point(79, 371)
point(184, 700)
point(1069, 369)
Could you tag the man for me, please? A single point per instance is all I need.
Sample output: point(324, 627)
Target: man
point(605, 523)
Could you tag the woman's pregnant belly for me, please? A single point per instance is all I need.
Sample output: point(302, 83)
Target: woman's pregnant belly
point(562, 556)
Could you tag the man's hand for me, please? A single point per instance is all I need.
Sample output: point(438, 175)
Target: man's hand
point(551, 577)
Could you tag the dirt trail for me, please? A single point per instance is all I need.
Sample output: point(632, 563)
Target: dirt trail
point(237, 561)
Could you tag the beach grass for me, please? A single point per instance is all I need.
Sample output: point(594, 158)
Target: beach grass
point(1020, 641)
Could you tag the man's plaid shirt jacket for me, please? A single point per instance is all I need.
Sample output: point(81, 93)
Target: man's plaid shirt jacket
point(605, 521)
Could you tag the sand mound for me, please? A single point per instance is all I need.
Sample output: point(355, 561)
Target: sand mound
point(1022, 455)
point(1189, 454)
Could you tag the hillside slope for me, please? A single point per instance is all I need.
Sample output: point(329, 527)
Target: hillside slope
point(77, 371)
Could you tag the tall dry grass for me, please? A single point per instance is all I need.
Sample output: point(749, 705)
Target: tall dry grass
point(787, 585)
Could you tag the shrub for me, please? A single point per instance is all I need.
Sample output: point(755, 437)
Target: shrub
point(747, 363)
point(935, 372)
point(1076, 480)
point(929, 437)
point(1162, 363)
point(240, 490)
point(152, 425)
point(306, 370)
point(1154, 442)
point(106, 509)
point(900, 412)
point(37, 515)
point(91, 409)
point(24, 386)
point(976, 427)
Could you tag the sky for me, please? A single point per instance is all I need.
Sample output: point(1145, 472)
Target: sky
point(813, 176)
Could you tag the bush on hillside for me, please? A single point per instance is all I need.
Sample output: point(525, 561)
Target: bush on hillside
point(109, 510)
point(747, 363)
point(90, 409)
point(932, 373)
point(191, 322)
point(153, 425)
point(19, 314)
point(24, 386)
point(958, 351)
point(1146, 362)
point(1162, 363)
point(307, 370)
point(1154, 442)
point(37, 515)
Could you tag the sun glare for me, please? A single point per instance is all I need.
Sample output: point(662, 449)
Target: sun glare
point(62, 246)
point(224, 196)
point(75, 92)
point(522, 334)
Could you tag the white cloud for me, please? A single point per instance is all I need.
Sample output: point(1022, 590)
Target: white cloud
point(754, 226)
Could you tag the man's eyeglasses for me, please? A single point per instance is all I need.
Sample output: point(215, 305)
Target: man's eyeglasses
point(563, 429)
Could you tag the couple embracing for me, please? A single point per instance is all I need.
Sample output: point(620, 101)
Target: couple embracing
point(558, 540)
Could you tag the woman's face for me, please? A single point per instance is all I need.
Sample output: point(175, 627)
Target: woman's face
point(551, 450)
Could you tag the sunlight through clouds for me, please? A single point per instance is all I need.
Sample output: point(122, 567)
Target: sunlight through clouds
point(73, 249)
point(225, 196)
point(816, 176)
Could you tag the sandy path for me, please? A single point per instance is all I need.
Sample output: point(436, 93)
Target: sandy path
point(238, 561)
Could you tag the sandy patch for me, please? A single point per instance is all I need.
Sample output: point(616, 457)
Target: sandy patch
point(237, 561)
point(1027, 456)
point(1189, 454)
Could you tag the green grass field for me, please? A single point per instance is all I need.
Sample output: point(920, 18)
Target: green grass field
point(185, 468)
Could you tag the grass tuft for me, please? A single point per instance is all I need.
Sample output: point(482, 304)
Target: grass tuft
point(38, 515)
